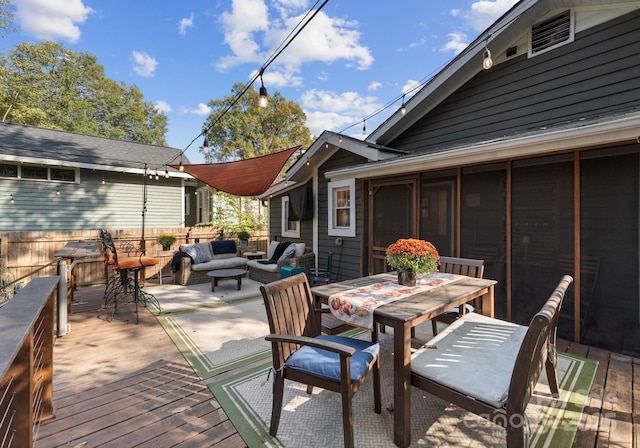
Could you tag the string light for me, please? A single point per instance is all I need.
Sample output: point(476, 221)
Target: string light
point(166, 172)
point(12, 200)
point(403, 109)
point(103, 181)
point(57, 191)
point(364, 125)
point(205, 144)
point(263, 102)
point(487, 62)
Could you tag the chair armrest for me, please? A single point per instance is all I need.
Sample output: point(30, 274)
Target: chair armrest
point(342, 350)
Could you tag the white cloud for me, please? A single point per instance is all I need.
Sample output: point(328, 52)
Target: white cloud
point(162, 106)
point(49, 20)
point(252, 37)
point(328, 110)
point(455, 12)
point(184, 24)
point(456, 43)
point(202, 109)
point(483, 13)
point(374, 85)
point(143, 64)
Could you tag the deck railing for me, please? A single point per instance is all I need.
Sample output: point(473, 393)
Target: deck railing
point(26, 362)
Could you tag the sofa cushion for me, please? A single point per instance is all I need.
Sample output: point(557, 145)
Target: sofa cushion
point(288, 252)
point(220, 263)
point(299, 249)
point(272, 249)
point(223, 247)
point(198, 252)
point(253, 264)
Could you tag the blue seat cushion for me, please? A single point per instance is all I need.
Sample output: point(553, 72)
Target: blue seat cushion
point(326, 364)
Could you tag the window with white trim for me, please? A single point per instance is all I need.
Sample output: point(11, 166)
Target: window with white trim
point(342, 208)
point(289, 228)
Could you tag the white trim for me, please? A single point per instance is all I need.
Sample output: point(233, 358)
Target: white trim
point(607, 133)
point(284, 230)
point(332, 228)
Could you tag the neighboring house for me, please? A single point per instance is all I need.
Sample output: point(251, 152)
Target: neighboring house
point(53, 180)
point(530, 165)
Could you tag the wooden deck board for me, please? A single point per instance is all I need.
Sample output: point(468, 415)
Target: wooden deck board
point(122, 384)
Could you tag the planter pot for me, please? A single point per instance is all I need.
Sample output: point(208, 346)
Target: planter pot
point(407, 278)
point(166, 247)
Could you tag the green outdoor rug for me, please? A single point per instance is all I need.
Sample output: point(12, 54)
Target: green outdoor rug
point(216, 332)
point(315, 421)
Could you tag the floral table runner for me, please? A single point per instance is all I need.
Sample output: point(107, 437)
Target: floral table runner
point(355, 306)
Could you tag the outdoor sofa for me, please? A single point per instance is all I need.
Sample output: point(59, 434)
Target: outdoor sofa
point(267, 273)
point(192, 262)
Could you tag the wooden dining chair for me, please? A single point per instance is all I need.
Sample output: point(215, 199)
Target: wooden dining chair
point(301, 354)
point(461, 266)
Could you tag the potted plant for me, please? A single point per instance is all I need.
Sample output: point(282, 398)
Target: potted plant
point(244, 236)
point(166, 240)
point(410, 257)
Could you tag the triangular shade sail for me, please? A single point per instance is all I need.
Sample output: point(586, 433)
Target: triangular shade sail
point(248, 177)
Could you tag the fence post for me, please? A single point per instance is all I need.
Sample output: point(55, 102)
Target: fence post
point(62, 298)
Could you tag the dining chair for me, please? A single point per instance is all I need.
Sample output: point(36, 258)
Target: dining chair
point(461, 266)
point(300, 353)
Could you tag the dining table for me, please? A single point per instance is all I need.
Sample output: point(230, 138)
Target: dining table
point(404, 314)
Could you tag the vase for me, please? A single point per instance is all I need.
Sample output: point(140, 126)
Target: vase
point(406, 278)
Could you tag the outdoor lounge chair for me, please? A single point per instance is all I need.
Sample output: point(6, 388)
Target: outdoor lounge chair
point(300, 353)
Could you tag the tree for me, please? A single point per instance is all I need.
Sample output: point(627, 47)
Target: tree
point(49, 86)
point(6, 17)
point(246, 131)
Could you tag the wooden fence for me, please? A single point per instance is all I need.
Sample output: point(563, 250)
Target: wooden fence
point(22, 253)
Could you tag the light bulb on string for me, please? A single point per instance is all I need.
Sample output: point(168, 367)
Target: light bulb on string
point(262, 101)
point(403, 108)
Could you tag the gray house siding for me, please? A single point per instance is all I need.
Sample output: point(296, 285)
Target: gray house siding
point(596, 74)
point(275, 223)
point(89, 204)
point(346, 257)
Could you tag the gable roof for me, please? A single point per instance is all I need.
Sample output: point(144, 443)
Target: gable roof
point(513, 26)
point(29, 144)
point(327, 144)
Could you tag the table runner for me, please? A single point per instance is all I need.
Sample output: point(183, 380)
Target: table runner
point(355, 306)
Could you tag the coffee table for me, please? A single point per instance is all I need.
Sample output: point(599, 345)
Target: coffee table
point(221, 274)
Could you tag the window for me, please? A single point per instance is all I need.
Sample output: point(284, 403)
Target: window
point(551, 33)
point(34, 172)
point(38, 172)
point(289, 228)
point(64, 175)
point(8, 170)
point(342, 213)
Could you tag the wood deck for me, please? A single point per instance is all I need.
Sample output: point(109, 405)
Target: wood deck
point(118, 384)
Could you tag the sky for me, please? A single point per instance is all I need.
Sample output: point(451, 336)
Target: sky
point(353, 59)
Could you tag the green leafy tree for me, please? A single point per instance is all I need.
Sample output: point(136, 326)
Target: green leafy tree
point(6, 17)
point(49, 86)
point(247, 131)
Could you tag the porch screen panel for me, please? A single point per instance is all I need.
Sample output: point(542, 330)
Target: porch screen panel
point(609, 228)
point(483, 225)
point(542, 229)
point(393, 218)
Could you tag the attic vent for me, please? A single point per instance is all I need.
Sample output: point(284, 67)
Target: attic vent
point(552, 32)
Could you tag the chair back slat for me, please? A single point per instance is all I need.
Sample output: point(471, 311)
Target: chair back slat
point(289, 306)
point(534, 350)
point(462, 266)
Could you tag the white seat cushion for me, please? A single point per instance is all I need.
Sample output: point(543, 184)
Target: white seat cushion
point(475, 356)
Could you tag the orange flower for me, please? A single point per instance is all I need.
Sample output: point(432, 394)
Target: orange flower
point(413, 255)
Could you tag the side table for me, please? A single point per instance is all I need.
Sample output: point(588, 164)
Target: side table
point(288, 271)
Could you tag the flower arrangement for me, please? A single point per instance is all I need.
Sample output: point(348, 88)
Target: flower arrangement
point(413, 255)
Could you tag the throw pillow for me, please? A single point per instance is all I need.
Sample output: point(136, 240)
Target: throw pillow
point(300, 249)
point(288, 252)
point(272, 249)
point(196, 252)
